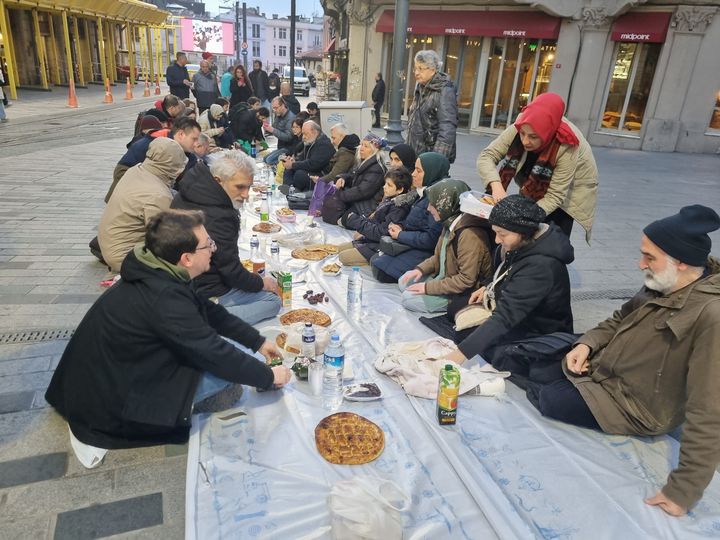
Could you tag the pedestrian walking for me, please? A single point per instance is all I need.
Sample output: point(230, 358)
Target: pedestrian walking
point(432, 122)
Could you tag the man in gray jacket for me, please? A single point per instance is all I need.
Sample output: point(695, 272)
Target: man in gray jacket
point(205, 87)
point(282, 129)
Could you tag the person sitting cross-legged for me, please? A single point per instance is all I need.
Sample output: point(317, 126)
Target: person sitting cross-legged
point(312, 160)
point(150, 351)
point(217, 189)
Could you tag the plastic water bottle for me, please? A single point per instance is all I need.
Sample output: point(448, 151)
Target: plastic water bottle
point(334, 361)
point(307, 349)
point(354, 291)
point(253, 151)
point(254, 247)
point(275, 254)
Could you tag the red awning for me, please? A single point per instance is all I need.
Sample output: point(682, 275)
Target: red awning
point(331, 46)
point(512, 24)
point(648, 26)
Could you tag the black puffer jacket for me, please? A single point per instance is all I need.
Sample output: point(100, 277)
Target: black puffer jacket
point(433, 118)
point(200, 191)
point(533, 299)
point(363, 188)
point(129, 374)
point(376, 225)
point(315, 157)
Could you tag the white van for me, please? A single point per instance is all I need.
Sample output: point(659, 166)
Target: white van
point(302, 82)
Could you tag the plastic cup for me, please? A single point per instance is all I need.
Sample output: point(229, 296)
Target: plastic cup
point(315, 377)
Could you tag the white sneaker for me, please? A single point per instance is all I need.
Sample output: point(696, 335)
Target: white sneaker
point(89, 456)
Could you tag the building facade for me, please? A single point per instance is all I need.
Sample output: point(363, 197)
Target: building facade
point(53, 43)
point(308, 35)
point(635, 74)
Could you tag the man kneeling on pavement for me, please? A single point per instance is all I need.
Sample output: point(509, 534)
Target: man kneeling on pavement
point(151, 347)
point(653, 365)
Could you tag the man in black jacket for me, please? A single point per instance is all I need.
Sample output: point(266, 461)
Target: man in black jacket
point(248, 125)
point(286, 92)
point(260, 83)
point(378, 98)
point(216, 190)
point(313, 160)
point(178, 78)
point(151, 346)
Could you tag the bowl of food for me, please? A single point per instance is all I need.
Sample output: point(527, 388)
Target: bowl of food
point(286, 215)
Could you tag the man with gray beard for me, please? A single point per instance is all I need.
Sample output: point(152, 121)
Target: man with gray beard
point(654, 365)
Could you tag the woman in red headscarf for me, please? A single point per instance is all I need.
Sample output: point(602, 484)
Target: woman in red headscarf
point(549, 159)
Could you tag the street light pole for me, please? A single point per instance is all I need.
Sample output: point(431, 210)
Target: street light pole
point(237, 34)
point(245, 54)
point(398, 68)
point(292, 45)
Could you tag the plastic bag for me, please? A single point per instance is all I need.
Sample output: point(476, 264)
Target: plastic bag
point(320, 192)
point(476, 203)
point(367, 508)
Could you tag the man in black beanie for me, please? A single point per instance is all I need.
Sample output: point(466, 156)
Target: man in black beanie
point(654, 365)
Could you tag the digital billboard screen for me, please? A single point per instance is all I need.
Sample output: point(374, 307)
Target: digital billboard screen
point(211, 36)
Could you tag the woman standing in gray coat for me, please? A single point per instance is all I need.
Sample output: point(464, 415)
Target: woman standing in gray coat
point(433, 117)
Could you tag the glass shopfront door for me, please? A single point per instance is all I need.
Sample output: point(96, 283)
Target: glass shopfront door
point(461, 63)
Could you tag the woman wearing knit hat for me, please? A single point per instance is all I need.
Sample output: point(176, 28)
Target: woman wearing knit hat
point(530, 287)
point(462, 255)
point(362, 190)
point(549, 159)
point(418, 234)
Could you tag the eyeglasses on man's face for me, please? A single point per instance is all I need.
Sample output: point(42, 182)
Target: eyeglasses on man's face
point(211, 245)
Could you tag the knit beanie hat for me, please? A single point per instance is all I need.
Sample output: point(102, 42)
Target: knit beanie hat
point(216, 110)
point(406, 154)
point(150, 122)
point(518, 214)
point(206, 55)
point(375, 140)
point(684, 236)
point(436, 167)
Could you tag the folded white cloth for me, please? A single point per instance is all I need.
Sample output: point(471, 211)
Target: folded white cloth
point(416, 365)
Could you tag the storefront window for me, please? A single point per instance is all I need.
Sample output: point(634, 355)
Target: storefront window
point(517, 71)
point(630, 81)
point(715, 118)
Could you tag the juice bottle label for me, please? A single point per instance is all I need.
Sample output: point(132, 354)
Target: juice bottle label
point(447, 396)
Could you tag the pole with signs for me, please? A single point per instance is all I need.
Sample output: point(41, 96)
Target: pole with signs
point(397, 75)
point(237, 33)
point(245, 36)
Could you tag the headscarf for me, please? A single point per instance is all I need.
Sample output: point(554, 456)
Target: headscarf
point(216, 111)
point(544, 115)
point(445, 197)
point(436, 167)
point(406, 154)
point(377, 141)
point(165, 159)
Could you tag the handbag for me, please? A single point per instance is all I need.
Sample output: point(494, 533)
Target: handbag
point(321, 191)
point(299, 201)
point(392, 247)
point(333, 209)
point(476, 314)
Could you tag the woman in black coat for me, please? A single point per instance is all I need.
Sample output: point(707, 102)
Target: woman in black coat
point(362, 190)
point(241, 88)
point(530, 287)
point(211, 189)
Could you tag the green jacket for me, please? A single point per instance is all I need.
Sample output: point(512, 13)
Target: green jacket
point(653, 366)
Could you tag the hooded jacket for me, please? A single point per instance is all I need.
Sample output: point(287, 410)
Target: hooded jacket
point(654, 365)
point(343, 160)
point(376, 225)
point(143, 192)
point(534, 297)
point(200, 191)
point(129, 374)
point(433, 117)
point(467, 259)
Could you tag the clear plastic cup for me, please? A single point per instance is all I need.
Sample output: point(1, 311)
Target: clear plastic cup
point(315, 377)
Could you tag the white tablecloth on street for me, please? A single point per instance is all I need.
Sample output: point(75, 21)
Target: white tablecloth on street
point(503, 471)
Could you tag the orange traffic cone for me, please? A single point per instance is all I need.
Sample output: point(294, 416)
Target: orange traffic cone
point(146, 93)
point(128, 89)
point(108, 94)
point(72, 98)
point(157, 85)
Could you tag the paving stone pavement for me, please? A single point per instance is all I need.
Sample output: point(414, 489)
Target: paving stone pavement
point(51, 201)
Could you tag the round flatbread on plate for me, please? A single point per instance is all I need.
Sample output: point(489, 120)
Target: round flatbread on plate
point(346, 438)
point(267, 228)
point(315, 252)
point(306, 315)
